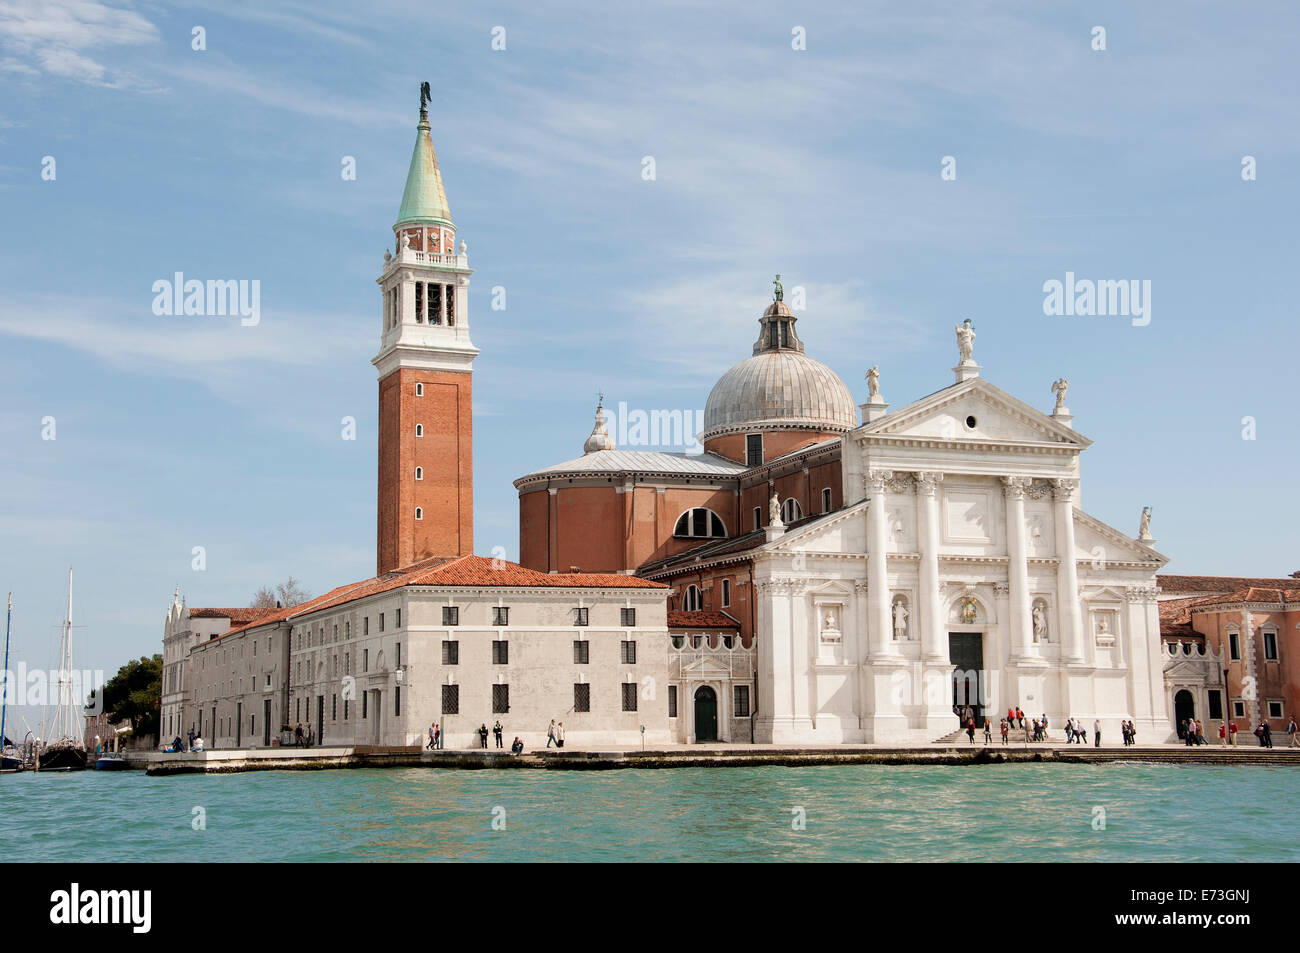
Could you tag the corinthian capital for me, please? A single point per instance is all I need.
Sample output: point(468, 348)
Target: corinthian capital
point(874, 480)
point(927, 482)
point(1064, 489)
point(1014, 487)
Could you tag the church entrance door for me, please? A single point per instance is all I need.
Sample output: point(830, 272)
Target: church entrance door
point(966, 651)
point(706, 714)
point(1184, 708)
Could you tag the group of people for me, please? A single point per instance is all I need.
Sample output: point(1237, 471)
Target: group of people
point(1129, 731)
point(1076, 733)
point(1193, 731)
point(304, 738)
point(497, 730)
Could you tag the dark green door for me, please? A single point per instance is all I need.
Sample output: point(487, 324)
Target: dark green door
point(966, 650)
point(706, 714)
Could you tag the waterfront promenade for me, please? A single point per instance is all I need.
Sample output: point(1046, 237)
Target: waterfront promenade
point(699, 755)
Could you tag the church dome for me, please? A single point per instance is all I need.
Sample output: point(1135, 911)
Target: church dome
point(780, 387)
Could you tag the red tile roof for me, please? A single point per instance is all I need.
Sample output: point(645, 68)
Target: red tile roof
point(236, 616)
point(1175, 583)
point(701, 619)
point(1253, 594)
point(460, 571)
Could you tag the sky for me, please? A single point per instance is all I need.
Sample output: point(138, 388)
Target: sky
point(803, 138)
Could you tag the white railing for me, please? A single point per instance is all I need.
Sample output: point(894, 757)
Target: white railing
point(411, 256)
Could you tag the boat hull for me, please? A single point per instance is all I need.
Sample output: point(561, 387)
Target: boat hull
point(63, 759)
point(110, 764)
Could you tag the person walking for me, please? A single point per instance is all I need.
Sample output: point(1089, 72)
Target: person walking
point(988, 732)
point(437, 735)
point(1223, 733)
point(1268, 733)
point(433, 736)
point(1232, 733)
point(1291, 730)
point(482, 735)
point(1020, 716)
point(970, 730)
point(309, 736)
point(559, 735)
point(297, 735)
point(550, 734)
point(1003, 727)
point(1096, 731)
point(191, 737)
point(496, 730)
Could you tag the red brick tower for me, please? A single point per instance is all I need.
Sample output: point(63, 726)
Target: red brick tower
point(425, 363)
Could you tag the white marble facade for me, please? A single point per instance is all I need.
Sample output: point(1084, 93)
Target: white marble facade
point(968, 524)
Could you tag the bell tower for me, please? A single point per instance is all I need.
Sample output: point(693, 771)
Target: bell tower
point(425, 363)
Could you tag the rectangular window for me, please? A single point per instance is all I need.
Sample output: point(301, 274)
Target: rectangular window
point(365, 626)
point(435, 303)
point(397, 655)
point(500, 699)
point(500, 652)
point(419, 302)
point(1234, 646)
point(754, 449)
point(580, 647)
point(365, 704)
point(500, 615)
point(1216, 704)
point(381, 622)
point(334, 708)
point(627, 617)
point(581, 696)
point(826, 500)
point(450, 653)
point(451, 615)
point(726, 593)
point(451, 699)
point(365, 660)
point(347, 629)
point(629, 695)
point(758, 517)
point(1238, 709)
point(672, 701)
point(451, 307)
point(345, 709)
point(580, 615)
point(399, 618)
point(397, 699)
point(1270, 648)
point(1275, 709)
point(627, 653)
point(741, 701)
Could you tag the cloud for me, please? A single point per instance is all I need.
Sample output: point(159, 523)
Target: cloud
point(54, 39)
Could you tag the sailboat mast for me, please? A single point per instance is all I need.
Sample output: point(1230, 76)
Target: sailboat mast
point(4, 689)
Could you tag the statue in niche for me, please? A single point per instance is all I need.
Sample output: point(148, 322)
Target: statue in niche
point(830, 628)
point(965, 342)
point(900, 621)
point(1040, 622)
point(873, 383)
point(969, 609)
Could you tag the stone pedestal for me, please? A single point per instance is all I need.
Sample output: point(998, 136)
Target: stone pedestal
point(966, 370)
point(873, 410)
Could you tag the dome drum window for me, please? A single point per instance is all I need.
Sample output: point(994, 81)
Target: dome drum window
point(700, 523)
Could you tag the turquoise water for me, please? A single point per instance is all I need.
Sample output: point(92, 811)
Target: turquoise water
point(854, 812)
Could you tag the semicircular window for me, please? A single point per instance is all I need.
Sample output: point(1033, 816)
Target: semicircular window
point(700, 523)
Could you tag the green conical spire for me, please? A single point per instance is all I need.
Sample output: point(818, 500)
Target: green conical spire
point(423, 199)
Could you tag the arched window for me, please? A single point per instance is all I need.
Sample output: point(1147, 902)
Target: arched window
point(826, 500)
point(419, 512)
point(692, 599)
point(419, 390)
point(791, 511)
point(419, 430)
point(700, 523)
point(419, 473)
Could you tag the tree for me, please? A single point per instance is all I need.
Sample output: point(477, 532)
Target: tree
point(134, 694)
point(287, 593)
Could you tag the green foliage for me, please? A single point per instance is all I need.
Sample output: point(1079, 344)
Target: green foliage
point(135, 694)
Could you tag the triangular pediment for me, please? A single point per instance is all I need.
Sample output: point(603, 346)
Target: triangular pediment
point(840, 532)
point(1104, 544)
point(997, 418)
point(706, 667)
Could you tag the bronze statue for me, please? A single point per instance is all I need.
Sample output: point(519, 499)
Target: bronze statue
point(425, 95)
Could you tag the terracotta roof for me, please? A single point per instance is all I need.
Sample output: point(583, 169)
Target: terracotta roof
point(457, 572)
point(701, 619)
point(1175, 583)
point(236, 616)
point(1252, 594)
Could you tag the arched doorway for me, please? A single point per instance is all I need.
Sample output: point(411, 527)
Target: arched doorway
point(706, 714)
point(1184, 708)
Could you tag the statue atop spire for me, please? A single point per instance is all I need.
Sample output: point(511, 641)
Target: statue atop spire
point(425, 96)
